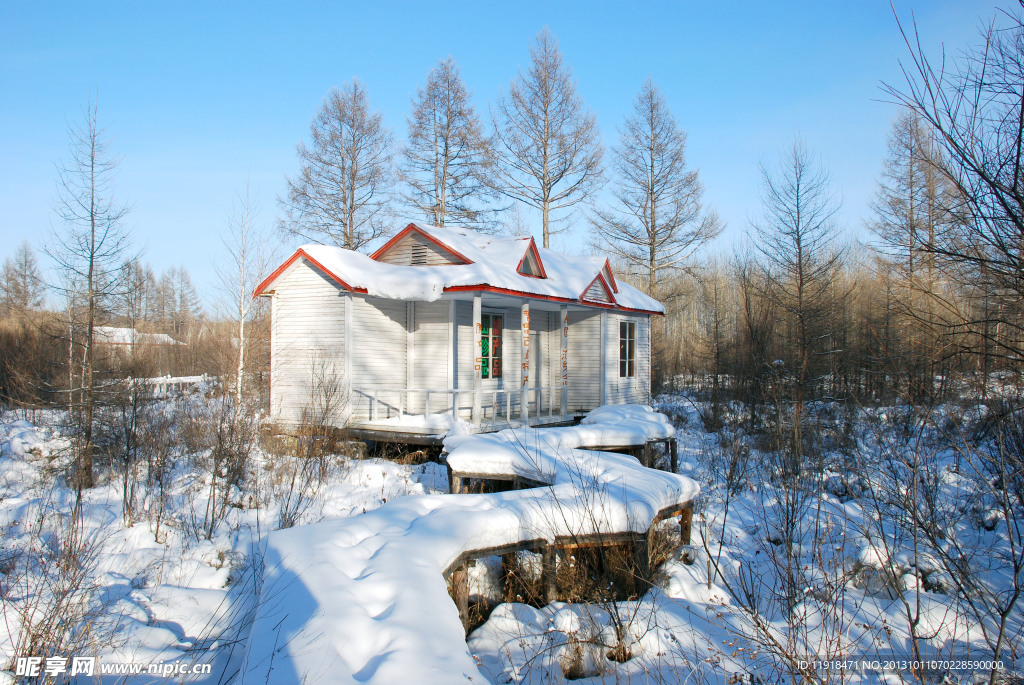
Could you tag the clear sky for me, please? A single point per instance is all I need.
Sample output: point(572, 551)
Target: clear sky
point(198, 97)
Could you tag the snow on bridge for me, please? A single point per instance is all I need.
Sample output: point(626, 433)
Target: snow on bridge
point(364, 599)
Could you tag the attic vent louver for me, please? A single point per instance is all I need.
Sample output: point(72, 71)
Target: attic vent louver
point(418, 255)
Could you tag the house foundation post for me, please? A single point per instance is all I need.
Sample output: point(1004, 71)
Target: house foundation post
point(477, 359)
point(460, 592)
point(564, 319)
point(642, 560)
point(524, 402)
point(548, 570)
point(685, 524)
point(508, 569)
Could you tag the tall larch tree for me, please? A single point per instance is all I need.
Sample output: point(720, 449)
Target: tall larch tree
point(446, 164)
point(88, 248)
point(342, 194)
point(21, 283)
point(547, 144)
point(910, 217)
point(796, 244)
point(658, 221)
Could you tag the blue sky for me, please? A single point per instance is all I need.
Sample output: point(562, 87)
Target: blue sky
point(198, 97)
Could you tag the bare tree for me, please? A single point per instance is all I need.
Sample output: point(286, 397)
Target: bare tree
point(910, 210)
point(547, 146)
point(659, 221)
point(246, 257)
point(341, 194)
point(796, 242)
point(88, 250)
point(447, 164)
point(21, 283)
point(974, 105)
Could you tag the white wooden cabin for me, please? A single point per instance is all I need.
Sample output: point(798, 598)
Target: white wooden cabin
point(446, 322)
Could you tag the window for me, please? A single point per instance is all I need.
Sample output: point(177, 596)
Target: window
point(490, 345)
point(627, 349)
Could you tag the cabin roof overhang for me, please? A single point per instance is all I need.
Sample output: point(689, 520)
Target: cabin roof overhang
point(264, 287)
point(579, 303)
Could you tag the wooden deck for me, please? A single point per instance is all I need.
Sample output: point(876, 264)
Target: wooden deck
point(421, 435)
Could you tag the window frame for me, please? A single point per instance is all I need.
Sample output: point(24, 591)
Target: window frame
point(627, 348)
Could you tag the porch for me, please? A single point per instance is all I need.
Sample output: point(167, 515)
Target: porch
point(425, 415)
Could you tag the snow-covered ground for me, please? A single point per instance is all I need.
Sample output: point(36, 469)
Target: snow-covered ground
point(142, 594)
point(364, 599)
point(834, 569)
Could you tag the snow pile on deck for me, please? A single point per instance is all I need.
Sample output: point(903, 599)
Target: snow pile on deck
point(364, 599)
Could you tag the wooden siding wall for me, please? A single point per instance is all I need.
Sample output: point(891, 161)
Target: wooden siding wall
point(628, 390)
point(464, 345)
point(402, 252)
point(431, 356)
point(307, 341)
point(379, 347)
point(553, 350)
point(584, 360)
point(308, 338)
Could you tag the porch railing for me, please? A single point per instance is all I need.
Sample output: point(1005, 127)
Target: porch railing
point(495, 404)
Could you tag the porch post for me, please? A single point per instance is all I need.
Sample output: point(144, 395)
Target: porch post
point(477, 361)
point(564, 317)
point(524, 402)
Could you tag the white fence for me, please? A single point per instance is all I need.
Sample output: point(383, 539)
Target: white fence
point(376, 404)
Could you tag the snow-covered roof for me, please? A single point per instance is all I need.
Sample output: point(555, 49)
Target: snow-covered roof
point(114, 335)
point(478, 262)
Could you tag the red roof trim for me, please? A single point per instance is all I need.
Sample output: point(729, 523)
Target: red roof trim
point(604, 284)
point(532, 248)
point(413, 228)
point(615, 286)
point(300, 253)
point(548, 298)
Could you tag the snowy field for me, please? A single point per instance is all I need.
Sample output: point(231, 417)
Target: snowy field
point(894, 547)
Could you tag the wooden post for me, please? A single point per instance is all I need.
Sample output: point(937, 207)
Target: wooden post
point(460, 593)
point(524, 399)
point(642, 559)
point(548, 569)
point(508, 565)
point(564, 316)
point(477, 360)
point(647, 459)
point(673, 449)
point(685, 524)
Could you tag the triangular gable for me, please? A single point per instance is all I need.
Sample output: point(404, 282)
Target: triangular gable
point(300, 254)
point(414, 246)
point(609, 276)
point(598, 291)
point(531, 264)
